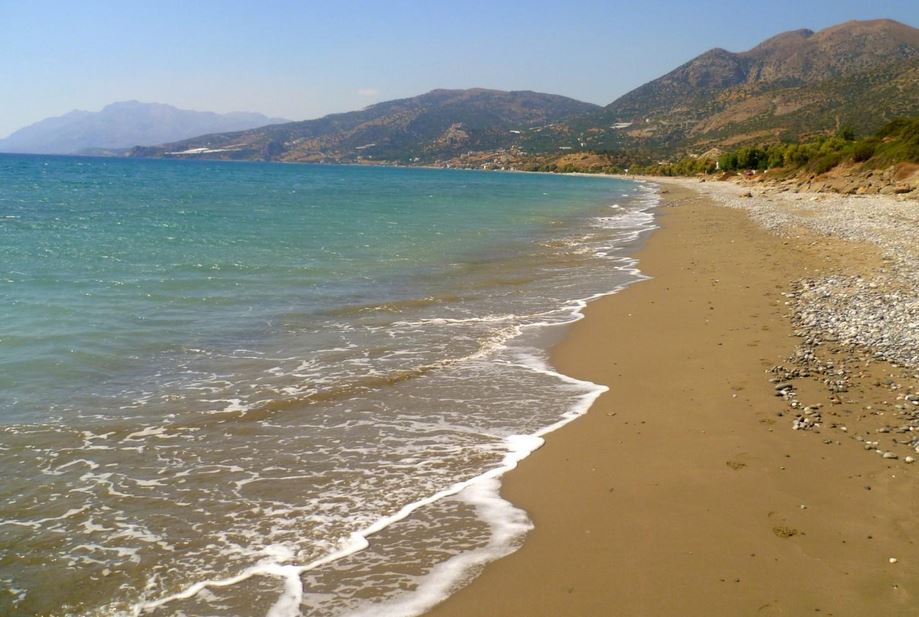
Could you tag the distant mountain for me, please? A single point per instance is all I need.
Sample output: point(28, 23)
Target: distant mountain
point(793, 85)
point(860, 73)
point(123, 125)
point(436, 125)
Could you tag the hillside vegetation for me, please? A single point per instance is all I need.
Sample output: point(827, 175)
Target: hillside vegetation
point(896, 142)
point(860, 74)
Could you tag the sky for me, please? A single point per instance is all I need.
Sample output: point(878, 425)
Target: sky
point(304, 59)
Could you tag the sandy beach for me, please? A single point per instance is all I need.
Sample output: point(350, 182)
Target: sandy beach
point(687, 490)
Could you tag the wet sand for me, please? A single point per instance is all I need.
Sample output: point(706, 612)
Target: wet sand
point(683, 491)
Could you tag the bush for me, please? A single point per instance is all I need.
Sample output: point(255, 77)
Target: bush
point(896, 142)
point(728, 161)
point(896, 127)
point(826, 162)
point(776, 156)
point(832, 145)
point(846, 133)
point(800, 154)
point(751, 158)
point(863, 151)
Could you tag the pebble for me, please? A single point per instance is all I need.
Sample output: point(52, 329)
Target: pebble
point(876, 314)
point(880, 313)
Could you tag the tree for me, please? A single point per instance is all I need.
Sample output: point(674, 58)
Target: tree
point(728, 161)
point(846, 132)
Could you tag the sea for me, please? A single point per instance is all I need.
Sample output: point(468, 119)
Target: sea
point(260, 389)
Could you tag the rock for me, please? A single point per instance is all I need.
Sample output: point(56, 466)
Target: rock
point(890, 455)
point(783, 531)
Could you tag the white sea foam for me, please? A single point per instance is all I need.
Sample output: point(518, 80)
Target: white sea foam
point(150, 431)
point(507, 522)
point(630, 220)
point(18, 594)
point(288, 604)
point(61, 468)
point(39, 522)
point(264, 530)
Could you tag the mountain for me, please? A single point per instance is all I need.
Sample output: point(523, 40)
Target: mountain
point(793, 85)
point(436, 125)
point(123, 125)
point(859, 73)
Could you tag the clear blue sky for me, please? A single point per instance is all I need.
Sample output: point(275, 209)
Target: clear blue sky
point(308, 58)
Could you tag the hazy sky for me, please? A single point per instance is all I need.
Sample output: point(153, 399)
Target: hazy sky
point(305, 59)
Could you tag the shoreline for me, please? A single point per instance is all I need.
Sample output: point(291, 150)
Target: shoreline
point(279, 563)
point(509, 524)
point(683, 490)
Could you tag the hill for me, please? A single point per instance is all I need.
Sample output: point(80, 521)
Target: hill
point(123, 125)
point(798, 84)
point(436, 125)
point(859, 73)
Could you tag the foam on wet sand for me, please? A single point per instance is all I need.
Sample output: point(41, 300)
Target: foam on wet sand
point(685, 490)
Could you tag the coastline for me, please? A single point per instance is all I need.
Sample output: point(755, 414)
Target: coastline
point(582, 254)
point(684, 490)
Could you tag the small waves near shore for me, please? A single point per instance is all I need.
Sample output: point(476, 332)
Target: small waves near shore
point(257, 389)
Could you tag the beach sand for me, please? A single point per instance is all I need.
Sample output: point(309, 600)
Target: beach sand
point(682, 491)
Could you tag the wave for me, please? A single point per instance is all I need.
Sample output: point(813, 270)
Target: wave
point(507, 522)
point(394, 306)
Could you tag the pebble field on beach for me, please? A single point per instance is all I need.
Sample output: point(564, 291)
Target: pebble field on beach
point(848, 321)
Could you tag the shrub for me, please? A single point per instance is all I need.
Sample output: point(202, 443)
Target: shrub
point(776, 156)
point(751, 158)
point(826, 162)
point(863, 151)
point(799, 154)
point(896, 127)
point(728, 161)
point(846, 133)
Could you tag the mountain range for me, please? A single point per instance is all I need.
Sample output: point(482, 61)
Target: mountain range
point(794, 85)
point(124, 125)
point(435, 125)
point(859, 73)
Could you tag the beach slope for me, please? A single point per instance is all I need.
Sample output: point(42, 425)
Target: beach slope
point(684, 491)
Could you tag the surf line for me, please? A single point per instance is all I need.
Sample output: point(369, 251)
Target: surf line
point(482, 488)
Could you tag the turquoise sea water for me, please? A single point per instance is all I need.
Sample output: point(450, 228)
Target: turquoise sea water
point(215, 377)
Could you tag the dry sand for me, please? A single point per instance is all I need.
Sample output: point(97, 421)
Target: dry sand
point(682, 491)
